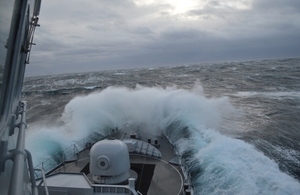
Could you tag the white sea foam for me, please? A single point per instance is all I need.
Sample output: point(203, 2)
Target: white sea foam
point(219, 164)
point(274, 95)
point(231, 166)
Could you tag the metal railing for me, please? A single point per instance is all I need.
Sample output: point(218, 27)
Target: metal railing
point(43, 180)
point(69, 153)
point(117, 189)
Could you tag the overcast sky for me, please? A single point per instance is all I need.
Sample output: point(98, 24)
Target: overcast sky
point(92, 35)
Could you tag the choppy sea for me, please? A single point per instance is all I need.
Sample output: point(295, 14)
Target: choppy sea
point(236, 124)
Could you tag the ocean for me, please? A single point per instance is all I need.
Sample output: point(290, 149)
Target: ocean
point(236, 125)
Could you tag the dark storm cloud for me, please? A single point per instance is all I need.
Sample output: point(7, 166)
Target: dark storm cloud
point(99, 35)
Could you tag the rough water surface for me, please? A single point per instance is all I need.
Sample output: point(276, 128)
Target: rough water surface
point(235, 124)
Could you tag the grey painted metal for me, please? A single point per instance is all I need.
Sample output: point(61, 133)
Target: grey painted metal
point(31, 172)
point(14, 175)
point(43, 181)
point(78, 183)
point(19, 156)
point(164, 173)
point(141, 147)
point(69, 153)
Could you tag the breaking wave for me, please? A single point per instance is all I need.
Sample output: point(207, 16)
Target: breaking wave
point(216, 164)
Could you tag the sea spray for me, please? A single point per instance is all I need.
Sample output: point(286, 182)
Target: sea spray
point(216, 164)
point(146, 109)
point(46, 142)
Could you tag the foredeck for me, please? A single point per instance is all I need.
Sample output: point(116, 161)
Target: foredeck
point(153, 175)
point(163, 178)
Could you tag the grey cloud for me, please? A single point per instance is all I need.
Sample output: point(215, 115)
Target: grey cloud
point(292, 5)
point(178, 34)
point(100, 35)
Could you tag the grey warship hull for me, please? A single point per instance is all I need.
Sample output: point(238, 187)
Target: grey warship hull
point(154, 166)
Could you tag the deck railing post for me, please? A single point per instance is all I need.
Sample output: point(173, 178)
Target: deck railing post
point(66, 152)
point(63, 160)
point(83, 143)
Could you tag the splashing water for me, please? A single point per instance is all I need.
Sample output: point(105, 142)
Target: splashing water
point(217, 164)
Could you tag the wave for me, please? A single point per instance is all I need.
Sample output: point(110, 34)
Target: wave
point(53, 92)
point(222, 165)
point(217, 164)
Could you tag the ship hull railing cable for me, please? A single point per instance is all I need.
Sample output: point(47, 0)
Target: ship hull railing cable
point(69, 154)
